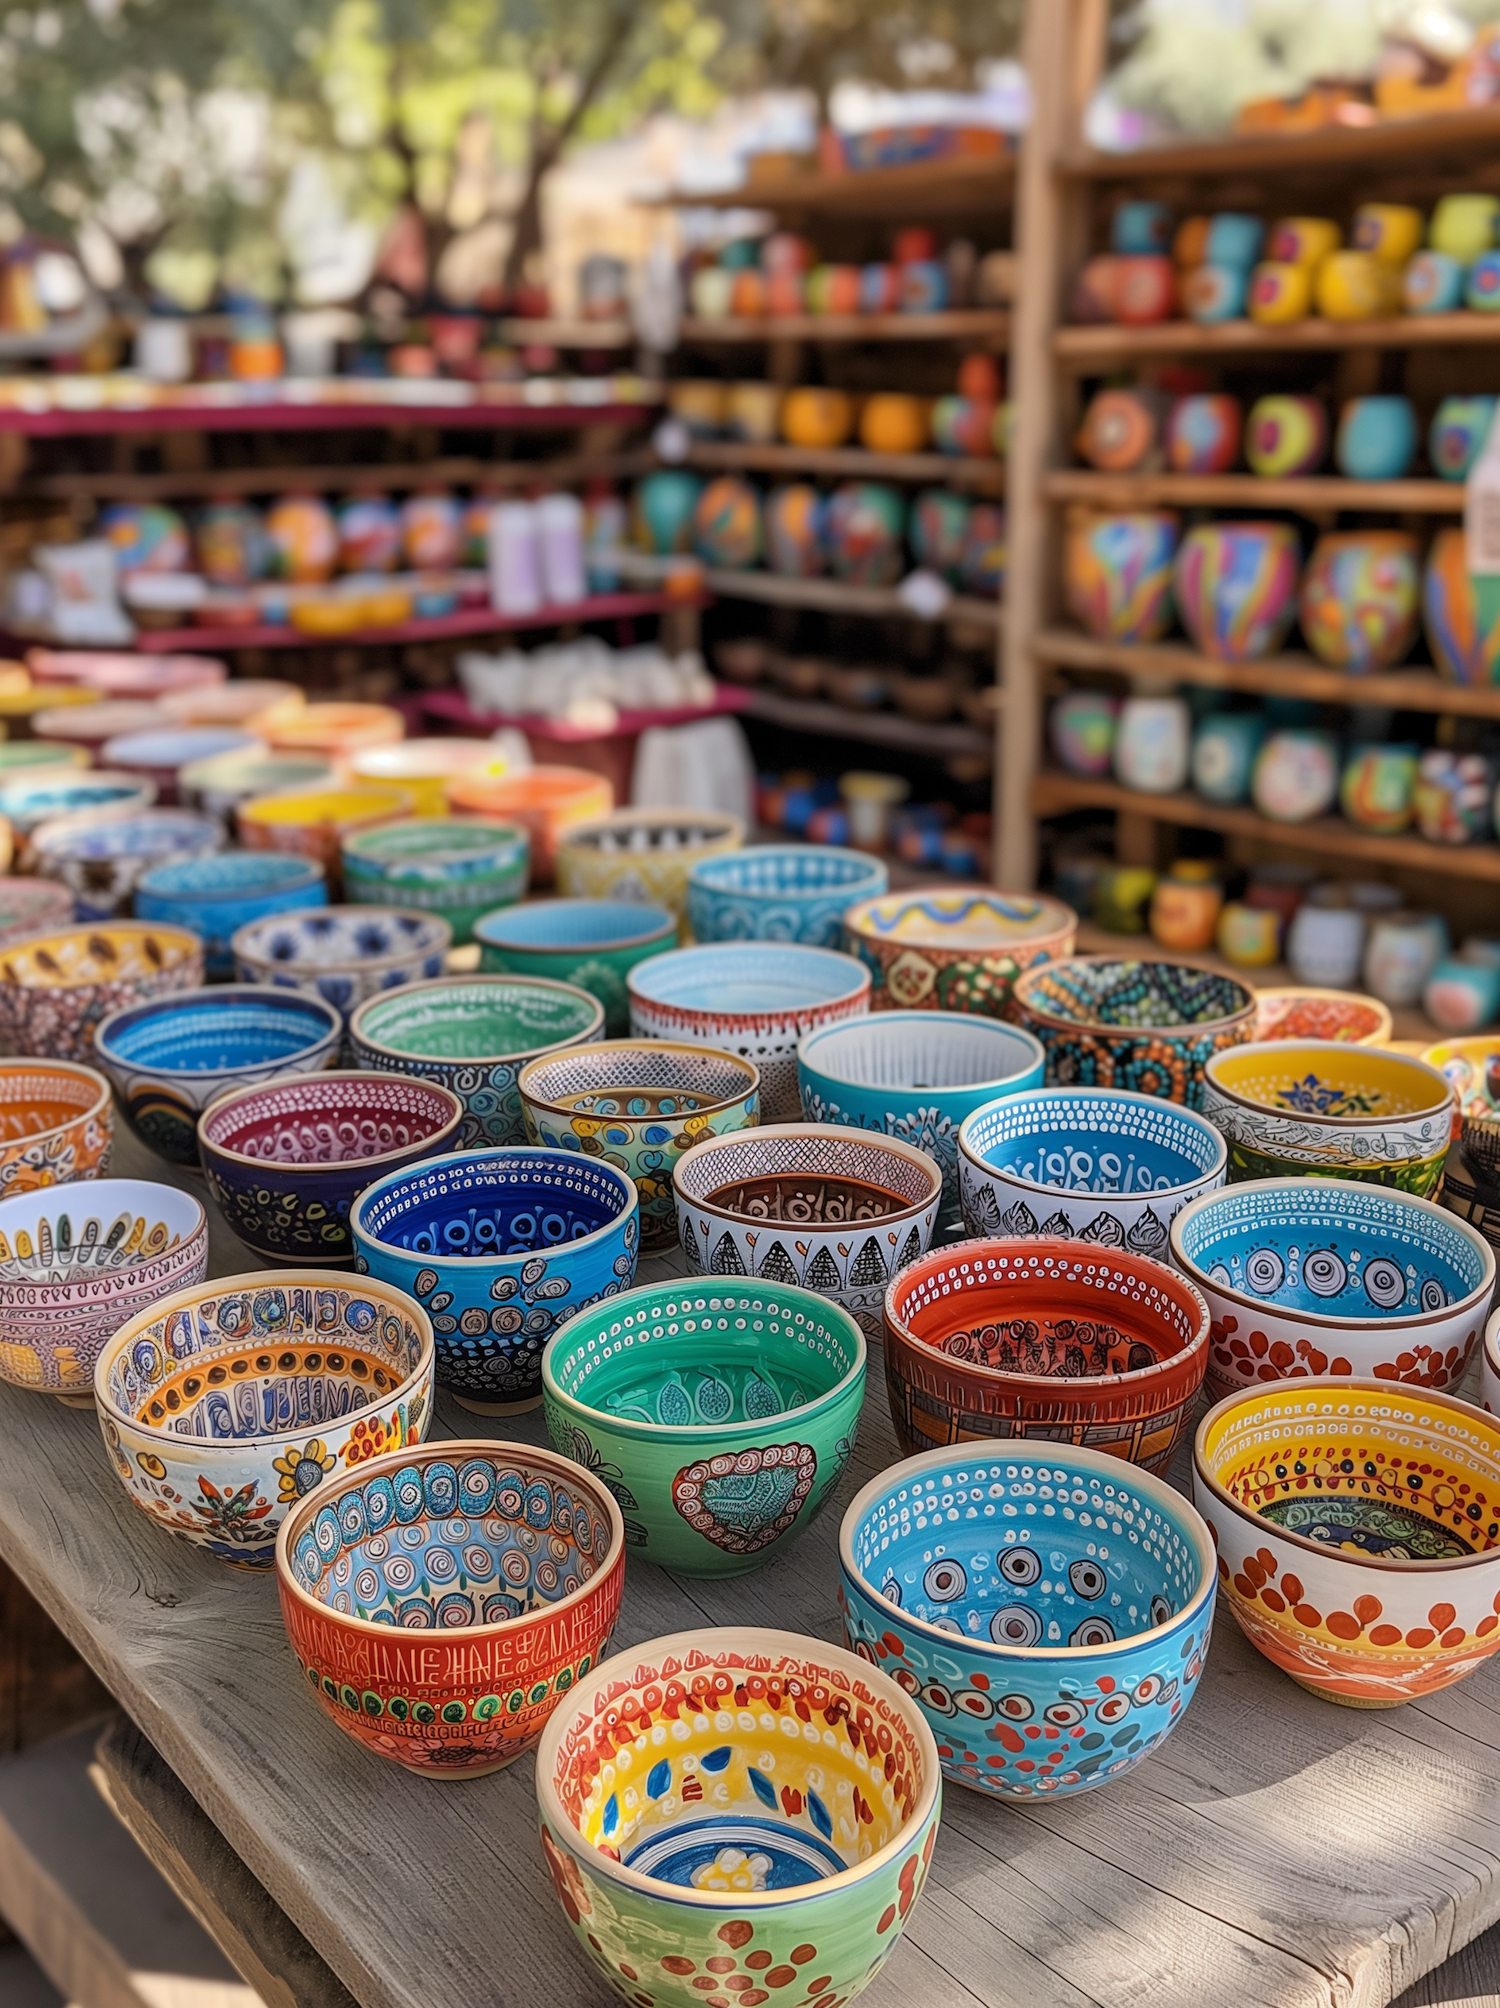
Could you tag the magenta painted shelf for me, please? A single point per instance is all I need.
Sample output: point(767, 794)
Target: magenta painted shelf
point(437, 627)
point(453, 709)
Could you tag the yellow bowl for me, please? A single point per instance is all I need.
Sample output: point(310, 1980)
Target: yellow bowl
point(312, 822)
point(335, 615)
point(425, 767)
point(56, 987)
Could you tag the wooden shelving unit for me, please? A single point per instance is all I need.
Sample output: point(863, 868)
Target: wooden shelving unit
point(1104, 347)
point(1462, 137)
point(844, 463)
point(1314, 494)
point(487, 414)
point(989, 326)
point(941, 738)
point(962, 185)
point(834, 596)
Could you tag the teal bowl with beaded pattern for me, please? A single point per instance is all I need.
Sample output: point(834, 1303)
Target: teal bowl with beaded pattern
point(719, 1412)
point(593, 943)
point(457, 867)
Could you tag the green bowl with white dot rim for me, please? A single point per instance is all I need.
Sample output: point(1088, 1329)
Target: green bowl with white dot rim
point(719, 1413)
point(458, 866)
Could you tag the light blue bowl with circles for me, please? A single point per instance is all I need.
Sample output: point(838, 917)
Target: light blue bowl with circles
point(1092, 1164)
point(214, 896)
point(915, 1075)
point(1050, 1613)
point(781, 892)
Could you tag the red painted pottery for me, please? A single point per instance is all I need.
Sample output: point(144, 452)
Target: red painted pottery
point(1044, 1338)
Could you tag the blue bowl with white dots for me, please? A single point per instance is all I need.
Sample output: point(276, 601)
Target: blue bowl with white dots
point(781, 892)
point(1049, 1612)
point(500, 1247)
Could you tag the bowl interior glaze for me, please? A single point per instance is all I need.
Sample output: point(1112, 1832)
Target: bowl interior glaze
point(100, 1229)
point(232, 875)
point(144, 835)
point(783, 871)
point(341, 937)
point(1109, 995)
point(570, 924)
point(806, 1177)
point(914, 1050)
point(37, 1096)
point(478, 1020)
point(752, 976)
point(639, 1083)
point(464, 845)
point(328, 1119)
point(1329, 1081)
point(508, 1202)
point(1321, 1014)
point(967, 920)
point(217, 1031)
point(1093, 1140)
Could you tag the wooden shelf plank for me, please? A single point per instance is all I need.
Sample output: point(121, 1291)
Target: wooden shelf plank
point(922, 187)
point(1098, 346)
point(490, 414)
point(1469, 133)
point(1053, 794)
point(835, 597)
point(335, 479)
point(440, 627)
point(875, 728)
point(1273, 676)
point(856, 462)
point(968, 324)
point(575, 334)
point(1310, 492)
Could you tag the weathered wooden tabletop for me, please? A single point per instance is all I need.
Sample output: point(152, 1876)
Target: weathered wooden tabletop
point(1278, 1853)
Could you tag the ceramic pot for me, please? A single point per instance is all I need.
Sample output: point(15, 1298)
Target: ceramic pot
point(1433, 283)
point(1451, 796)
point(56, 987)
point(56, 1124)
point(1203, 434)
point(1318, 1013)
point(1404, 949)
point(989, 1640)
point(313, 822)
point(103, 863)
point(1122, 898)
point(327, 1370)
point(343, 954)
point(1464, 226)
point(1325, 945)
point(1148, 1027)
point(793, 520)
point(639, 1106)
point(465, 1705)
point(645, 855)
point(1359, 1598)
point(77, 1261)
point(1309, 1108)
point(1224, 751)
point(1117, 574)
point(1048, 1340)
point(1185, 910)
point(286, 1160)
point(1461, 997)
point(1375, 789)
point(1376, 439)
point(1360, 596)
point(865, 1877)
point(502, 1248)
point(1081, 728)
point(1153, 744)
point(1236, 586)
point(1471, 1068)
point(592, 944)
point(214, 896)
point(663, 509)
point(866, 521)
point(1460, 426)
point(1286, 435)
point(751, 998)
point(943, 950)
point(1465, 642)
point(780, 892)
point(456, 867)
point(474, 1034)
point(662, 1385)
point(1296, 776)
point(1248, 936)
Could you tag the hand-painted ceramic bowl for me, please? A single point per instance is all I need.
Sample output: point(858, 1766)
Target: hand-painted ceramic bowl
point(286, 1160)
point(314, 822)
point(216, 896)
point(171, 1056)
point(441, 1651)
point(1313, 1277)
point(781, 892)
point(102, 863)
point(502, 1247)
point(337, 729)
point(1322, 1014)
point(254, 702)
point(914, 1075)
point(1062, 1592)
point(545, 801)
point(834, 1210)
point(1315, 1108)
point(695, 1831)
point(1236, 586)
point(720, 1414)
point(343, 954)
point(160, 755)
point(57, 1124)
point(221, 784)
point(30, 800)
point(76, 1262)
point(643, 854)
point(1088, 1164)
point(228, 1402)
point(638, 1105)
point(592, 943)
point(955, 950)
point(1150, 1027)
point(456, 867)
point(1045, 1340)
point(30, 905)
point(1358, 1530)
point(1471, 1067)
point(756, 999)
point(55, 988)
point(474, 1034)
point(425, 767)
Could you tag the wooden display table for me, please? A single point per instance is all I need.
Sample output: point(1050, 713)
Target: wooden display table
point(1278, 1853)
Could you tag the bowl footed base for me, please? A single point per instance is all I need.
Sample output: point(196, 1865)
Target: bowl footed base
point(1346, 1700)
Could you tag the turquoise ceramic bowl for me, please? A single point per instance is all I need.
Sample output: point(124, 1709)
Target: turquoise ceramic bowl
point(216, 895)
point(593, 943)
point(781, 892)
point(721, 1413)
point(457, 867)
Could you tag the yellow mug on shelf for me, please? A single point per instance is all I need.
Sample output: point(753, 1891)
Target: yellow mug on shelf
point(1280, 292)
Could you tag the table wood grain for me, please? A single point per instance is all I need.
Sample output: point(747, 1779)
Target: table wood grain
point(1279, 1852)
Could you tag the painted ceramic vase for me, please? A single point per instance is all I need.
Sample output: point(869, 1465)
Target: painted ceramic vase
point(915, 1076)
point(842, 1849)
point(1312, 1108)
point(638, 1105)
point(1460, 426)
point(1044, 1340)
point(103, 863)
point(795, 517)
point(227, 1402)
point(864, 527)
point(343, 954)
point(502, 1248)
point(1185, 907)
point(1236, 587)
point(1147, 1027)
point(721, 1414)
point(1451, 796)
point(1315, 1013)
point(645, 855)
point(1248, 936)
point(76, 1262)
point(1322, 1277)
point(832, 1209)
point(1086, 1164)
point(1286, 436)
point(1203, 434)
point(1081, 728)
point(1405, 946)
point(456, 867)
point(1333, 1571)
point(215, 896)
point(1433, 283)
point(1296, 776)
point(528, 1601)
point(781, 892)
point(313, 822)
point(726, 523)
point(1464, 225)
point(170, 1057)
point(1465, 644)
point(1042, 1625)
point(1461, 996)
point(1360, 597)
point(545, 801)
point(285, 1161)
point(1117, 574)
point(1225, 747)
point(56, 1124)
point(590, 943)
point(1153, 744)
point(1376, 438)
point(940, 531)
point(751, 998)
point(474, 1034)
point(938, 949)
point(1375, 789)
point(55, 988)
point(1325, 945)
point(663, 508)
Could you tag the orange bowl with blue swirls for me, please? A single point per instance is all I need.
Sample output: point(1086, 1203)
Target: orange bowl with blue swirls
point(1236, 586)
point(1117, 572)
